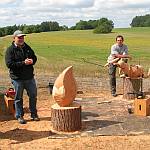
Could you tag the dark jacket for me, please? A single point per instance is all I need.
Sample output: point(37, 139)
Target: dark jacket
point(14, 59)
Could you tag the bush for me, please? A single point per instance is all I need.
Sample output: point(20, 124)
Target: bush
point(102, 29)
point(104, 26)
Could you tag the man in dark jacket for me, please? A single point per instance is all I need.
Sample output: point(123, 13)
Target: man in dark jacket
point(20, 59)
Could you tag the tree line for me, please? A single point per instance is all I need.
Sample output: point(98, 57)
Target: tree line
point(141, 21)
point(102, 25)
point(43, 27)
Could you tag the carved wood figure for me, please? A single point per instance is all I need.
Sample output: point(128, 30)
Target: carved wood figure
point(65, 89)
point(111, 62)
point(66, 114)
point(132, 71)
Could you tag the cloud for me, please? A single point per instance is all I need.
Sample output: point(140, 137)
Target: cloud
point(69, 12)
point(60, 3)
point(116, 4)
point(3, 2)
point(74, 3)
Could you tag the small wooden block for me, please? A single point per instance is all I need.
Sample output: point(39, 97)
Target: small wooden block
point(142, 107)
point(9, 104)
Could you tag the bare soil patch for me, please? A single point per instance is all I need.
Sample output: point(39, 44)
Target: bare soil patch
point(37, 135)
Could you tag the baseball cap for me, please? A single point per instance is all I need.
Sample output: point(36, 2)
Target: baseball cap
point(18, 33)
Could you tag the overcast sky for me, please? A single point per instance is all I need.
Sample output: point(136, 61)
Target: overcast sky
point(69, 12)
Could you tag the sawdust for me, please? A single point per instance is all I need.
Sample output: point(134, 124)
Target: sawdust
point(35, 135)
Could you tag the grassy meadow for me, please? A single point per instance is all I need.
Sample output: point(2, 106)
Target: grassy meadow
point(57, 50)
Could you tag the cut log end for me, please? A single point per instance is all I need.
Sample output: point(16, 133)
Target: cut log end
point(66, 119)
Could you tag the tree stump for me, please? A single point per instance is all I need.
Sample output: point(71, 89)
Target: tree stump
point(66, 119)
point(131, 87)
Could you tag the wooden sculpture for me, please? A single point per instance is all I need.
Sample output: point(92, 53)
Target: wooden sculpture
point(65, 114)
point(132, 79)
point(132, 71)
point(111, 62)
point(65, 89)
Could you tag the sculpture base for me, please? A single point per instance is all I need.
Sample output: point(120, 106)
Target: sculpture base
point(131, 87)
point(66, 119)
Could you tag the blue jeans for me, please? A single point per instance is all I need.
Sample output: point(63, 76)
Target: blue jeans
point(30, 87)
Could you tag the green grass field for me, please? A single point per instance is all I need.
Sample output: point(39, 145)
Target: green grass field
point(57, 50)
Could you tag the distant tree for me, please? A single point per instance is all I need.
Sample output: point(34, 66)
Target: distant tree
point(85, 25)
point(147, 23)
point(138, 21)
point(36, 29)
point(141, 21)
point(21, 27)
point(14, 28)
point(8, 30)
point(92, 24)
point(81, 25)
point(44, 26)
point(72, 28)
point(104, 26)
point(63, 28)
point(49, 26)
point(28, 29)
point(2, 33)
point(53, 26)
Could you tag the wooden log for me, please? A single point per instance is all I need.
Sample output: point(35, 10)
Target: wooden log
point(131, 87)
point(10, 105)
point(67, 119)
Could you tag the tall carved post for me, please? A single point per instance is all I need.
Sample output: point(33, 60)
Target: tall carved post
point(131, 87)
point(65, 114)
